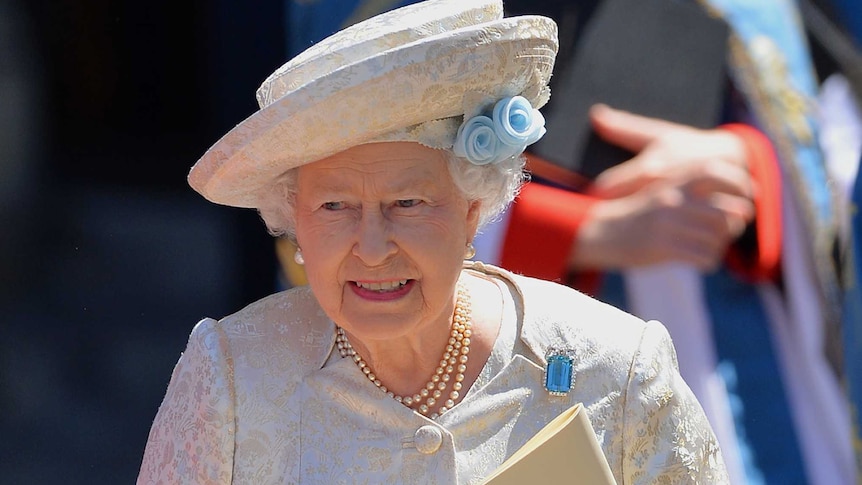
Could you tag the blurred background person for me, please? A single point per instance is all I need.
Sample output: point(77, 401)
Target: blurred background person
point(838, 57)
point(755, 313)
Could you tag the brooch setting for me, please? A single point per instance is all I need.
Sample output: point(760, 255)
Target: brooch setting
point(559, 373)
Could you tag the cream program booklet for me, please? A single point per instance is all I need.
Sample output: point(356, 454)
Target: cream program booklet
point(564, 451)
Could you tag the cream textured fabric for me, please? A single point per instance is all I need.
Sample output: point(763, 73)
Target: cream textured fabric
point(261, 398)
point(410, 74)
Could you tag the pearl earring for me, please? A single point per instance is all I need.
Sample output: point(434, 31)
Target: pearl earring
point(297, 257)
point(471, 251)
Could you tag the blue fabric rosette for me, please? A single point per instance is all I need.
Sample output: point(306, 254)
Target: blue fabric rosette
point(513, 125)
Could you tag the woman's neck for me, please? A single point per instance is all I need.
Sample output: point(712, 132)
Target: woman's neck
point(405, 365)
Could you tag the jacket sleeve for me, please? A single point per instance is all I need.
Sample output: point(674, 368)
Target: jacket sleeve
point(757, 254)
point(192, 438)
point(545, 221)
point(542, 228)
point(667, 438)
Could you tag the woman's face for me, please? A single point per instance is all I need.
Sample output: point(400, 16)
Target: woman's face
point(383, 232)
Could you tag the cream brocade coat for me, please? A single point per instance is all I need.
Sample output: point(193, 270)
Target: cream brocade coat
point(260, 397)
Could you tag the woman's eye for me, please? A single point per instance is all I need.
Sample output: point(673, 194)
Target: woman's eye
point(405, 203)
point(333, 206)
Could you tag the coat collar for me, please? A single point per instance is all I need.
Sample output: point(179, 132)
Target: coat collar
point(317, 335)
point(530, 315)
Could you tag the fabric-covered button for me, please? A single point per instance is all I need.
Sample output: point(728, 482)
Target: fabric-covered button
point(428, 439)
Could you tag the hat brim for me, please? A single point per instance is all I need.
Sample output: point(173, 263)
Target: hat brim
point(410, 84)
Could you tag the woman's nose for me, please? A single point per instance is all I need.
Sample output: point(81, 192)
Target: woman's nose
point(374, 244)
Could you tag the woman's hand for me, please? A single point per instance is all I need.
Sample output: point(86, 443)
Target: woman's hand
point(684, 197)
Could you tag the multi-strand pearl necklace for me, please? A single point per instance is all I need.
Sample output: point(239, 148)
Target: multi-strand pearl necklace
point(454, 360)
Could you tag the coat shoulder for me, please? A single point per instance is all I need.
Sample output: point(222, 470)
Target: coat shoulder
point(288, 325)
point(546, 303)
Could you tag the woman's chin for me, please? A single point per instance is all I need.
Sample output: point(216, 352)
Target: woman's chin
point(367, 326)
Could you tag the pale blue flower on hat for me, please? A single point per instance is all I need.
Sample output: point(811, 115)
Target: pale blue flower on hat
point(478, 142)
point(517, 123)
point(514, 124)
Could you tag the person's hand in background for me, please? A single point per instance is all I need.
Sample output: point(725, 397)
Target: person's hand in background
point(685, 196)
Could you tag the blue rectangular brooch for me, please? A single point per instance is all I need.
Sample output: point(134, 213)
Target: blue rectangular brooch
point(559, 374)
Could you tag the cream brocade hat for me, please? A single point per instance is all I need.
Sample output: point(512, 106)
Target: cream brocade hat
point(411, 74)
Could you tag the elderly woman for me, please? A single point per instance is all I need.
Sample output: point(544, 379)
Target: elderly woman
point(382, 151)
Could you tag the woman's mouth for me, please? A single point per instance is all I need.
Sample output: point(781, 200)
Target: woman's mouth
point(381, 286)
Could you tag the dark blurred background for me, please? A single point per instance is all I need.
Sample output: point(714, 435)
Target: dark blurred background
point(107, 258)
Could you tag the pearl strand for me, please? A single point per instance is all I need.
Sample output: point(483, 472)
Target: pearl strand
point(454, 359)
